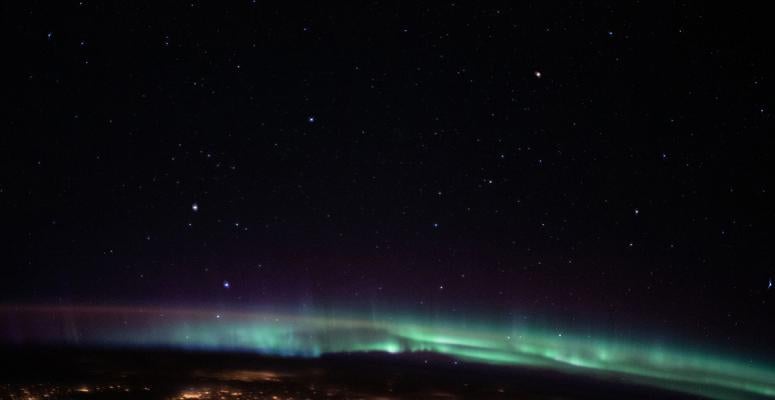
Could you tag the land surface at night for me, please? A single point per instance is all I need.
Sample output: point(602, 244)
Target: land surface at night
point(70, 373)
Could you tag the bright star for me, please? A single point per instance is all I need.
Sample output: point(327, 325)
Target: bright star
point(311, 119)
point(195, 207)
point(226, 284)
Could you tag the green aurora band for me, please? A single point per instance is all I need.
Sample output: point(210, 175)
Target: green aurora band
point(305, 335)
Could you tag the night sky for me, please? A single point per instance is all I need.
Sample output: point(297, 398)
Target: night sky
point(590, 166)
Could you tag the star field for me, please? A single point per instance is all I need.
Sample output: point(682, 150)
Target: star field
point(592, 166)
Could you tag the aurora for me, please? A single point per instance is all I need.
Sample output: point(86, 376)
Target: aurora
point(705, 373)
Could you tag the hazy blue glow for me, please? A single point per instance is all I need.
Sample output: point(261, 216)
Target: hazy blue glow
point(701, 373)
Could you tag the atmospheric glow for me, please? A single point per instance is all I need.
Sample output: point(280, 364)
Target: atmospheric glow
point(310, 335)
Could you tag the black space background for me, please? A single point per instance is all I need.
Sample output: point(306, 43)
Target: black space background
point(440, 173)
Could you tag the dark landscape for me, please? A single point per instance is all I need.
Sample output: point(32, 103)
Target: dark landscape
point(67, 373)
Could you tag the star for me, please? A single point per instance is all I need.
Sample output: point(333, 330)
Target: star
point(311, 119)
point(537, 74)
point(769, 284)
point(226, 284)
point(195, 207)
